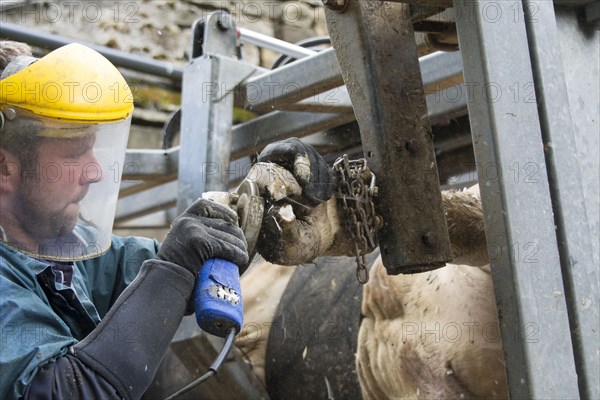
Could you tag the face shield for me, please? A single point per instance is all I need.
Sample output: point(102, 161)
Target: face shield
point(62, 184)
point(64, 122)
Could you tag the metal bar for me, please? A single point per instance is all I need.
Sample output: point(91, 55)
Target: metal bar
point(294, 82)
point(149, 164)
point(286, 87)
point(440, 71)
point(448, 3)
point(516, 201)
point(46, 40)
point(250, 137)
point(570, 216)
point(206, 112)
point(336, 100)
point(580, 50)
point(442, 106)
point(253, 135)
point(143, 203)
point(271, 43)
point(129, 188)
point(430, 3)
point(376, 49)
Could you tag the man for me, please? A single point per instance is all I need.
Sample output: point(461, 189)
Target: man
point(84, 314)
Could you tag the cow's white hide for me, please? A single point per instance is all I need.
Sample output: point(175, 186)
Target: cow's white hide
point(427, 335)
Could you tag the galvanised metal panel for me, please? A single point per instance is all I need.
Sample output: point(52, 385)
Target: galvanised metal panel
point(207, 111)
point(577, 163)
point(519, 222)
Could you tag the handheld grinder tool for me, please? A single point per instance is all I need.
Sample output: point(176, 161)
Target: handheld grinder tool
point(217, 295)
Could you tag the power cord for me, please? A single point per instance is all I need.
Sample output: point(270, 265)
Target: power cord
point(213, 368)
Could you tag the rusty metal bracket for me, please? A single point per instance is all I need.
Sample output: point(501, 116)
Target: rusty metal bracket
point(375, 46)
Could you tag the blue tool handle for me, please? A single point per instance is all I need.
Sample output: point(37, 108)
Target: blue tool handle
point(218, 297)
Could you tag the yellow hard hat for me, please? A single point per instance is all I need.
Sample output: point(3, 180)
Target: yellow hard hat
point(73, 83)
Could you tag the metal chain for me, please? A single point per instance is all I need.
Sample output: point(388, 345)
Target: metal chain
point(356, 190)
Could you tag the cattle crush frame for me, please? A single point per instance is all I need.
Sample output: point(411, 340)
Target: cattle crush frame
point(540, 241)
point(516, 92)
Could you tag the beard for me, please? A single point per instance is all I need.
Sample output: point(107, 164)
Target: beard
point(42, 219)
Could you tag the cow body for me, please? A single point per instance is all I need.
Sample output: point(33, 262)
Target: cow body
point(428, 335)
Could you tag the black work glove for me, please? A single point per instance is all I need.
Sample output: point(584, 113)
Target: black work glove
point(205, 230)
point(310, 169)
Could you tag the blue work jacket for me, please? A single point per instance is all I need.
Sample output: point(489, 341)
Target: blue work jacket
point(36, 330)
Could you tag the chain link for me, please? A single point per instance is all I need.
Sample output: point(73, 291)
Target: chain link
point(356, 190)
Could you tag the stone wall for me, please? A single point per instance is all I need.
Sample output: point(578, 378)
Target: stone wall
point(161, 28)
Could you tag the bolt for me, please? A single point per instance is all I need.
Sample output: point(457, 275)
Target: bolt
point(10, 113)
point(428, 239)
point(224, 22)
point(338, 6)
point(412, 146)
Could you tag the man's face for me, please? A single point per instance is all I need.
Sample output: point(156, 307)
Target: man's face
point(50, 190)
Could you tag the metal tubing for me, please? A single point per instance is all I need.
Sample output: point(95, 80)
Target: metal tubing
point(271, 43)
point(448, 3)
point(157, 198)
point(250, 137)
point(285, 87)
point(206, 113)
point(441, 70)
point(150, 164)
point(294, 82)
point(47, 40)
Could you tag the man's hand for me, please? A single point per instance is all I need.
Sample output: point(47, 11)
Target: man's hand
point(205, 230)
point(301, 221)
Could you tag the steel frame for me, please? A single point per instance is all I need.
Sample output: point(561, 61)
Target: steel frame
point(541, 255)
point(536, 225)
point(313, 112)
point(544, 261)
